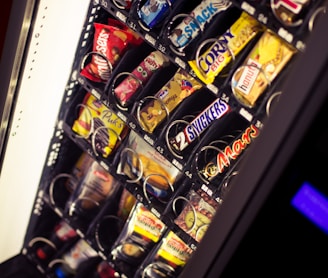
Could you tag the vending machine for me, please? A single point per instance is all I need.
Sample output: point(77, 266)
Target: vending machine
point(164, 139)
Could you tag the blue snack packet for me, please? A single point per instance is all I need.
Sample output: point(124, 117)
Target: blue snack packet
point(153, 11)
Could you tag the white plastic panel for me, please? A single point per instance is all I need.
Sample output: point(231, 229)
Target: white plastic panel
point(50, 56)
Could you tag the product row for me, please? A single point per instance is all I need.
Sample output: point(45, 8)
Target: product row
point(125, 224)
point(239, 66)
point(80, 186)
point(291, 20)
point(180, 24)
point(127, 242)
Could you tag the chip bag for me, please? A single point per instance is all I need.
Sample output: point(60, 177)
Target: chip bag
point(111, 42)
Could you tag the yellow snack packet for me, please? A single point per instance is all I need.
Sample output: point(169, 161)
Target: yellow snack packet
point(95, 119)
point(264, 62)
point(179, 87)
point(209, 64)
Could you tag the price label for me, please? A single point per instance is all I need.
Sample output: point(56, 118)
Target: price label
point(248, 116)
point(121, 16)
point(248, 8)
point(149, 139)
point(180, 63)
point(150, 39)
point(282, 32)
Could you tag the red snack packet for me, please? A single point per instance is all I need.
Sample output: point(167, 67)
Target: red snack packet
point(141, 74)
point(110, 41)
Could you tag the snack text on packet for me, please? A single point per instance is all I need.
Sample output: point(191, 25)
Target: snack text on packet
point(214, 111)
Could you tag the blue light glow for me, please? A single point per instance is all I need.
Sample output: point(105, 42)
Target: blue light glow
point(313, 205)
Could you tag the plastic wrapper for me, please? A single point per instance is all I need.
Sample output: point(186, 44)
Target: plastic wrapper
point(168, 258)
point(197, 214)
point(199, 17)
point(78, 254)
point(264, 62)
point(209, 64)
point(139, 77)
point(179, 87)
point(216, 110)
point(126, 203)
point(79, 170)
point(111, 41)
point(290, 13)
point(98, 124)
point(97, 186)
point(141, 232)
point(229, 154)
point(144, 165)
point(154, 11)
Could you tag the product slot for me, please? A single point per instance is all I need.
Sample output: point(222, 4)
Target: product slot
point(50, 237)
point(190, 212)
point(218, 151)
point(94, 127)
point(188, 27)
point(136, 240)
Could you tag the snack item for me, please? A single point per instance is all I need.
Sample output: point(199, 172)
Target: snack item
point(229, 154)
point(212, 61)
point(140, 233)
point(190, 27)
point(154, 11)
point(265, 61)
point(96, 187)
point(73, 258)
point(95, 118)
point(79, 170)
point(148, 164)
point(290, 13)
point(170, 256)
point(140, 76)
point(61, 235)
point(216, 110)
point(151, 167)
point(111, 41)
point(180, 86)
point(197, 214)
point(127, 201)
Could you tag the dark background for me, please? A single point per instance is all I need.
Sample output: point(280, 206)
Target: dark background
point(4, 16)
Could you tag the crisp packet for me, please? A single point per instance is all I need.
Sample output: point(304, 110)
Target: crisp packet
point(110, 41)
point(180, 86)
point(141, 232)
point(103, 124)
point(168, 258)
point(208, 65)
point(139, 77)
point(265, 61)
